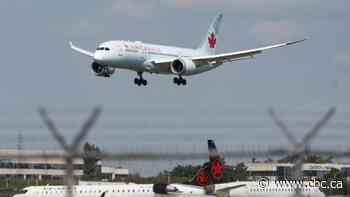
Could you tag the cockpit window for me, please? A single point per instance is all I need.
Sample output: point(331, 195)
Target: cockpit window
point(22, 191)
point(102, 49)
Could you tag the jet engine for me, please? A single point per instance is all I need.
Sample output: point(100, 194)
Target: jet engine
point(102, 71)
point(182, 66)
point(161, 188)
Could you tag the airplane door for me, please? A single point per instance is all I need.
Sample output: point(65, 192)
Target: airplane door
point(145, 52)
point(121, 50)
point(140, 50)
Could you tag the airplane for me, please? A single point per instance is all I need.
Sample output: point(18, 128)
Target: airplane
point(233, 189)
point(206, 183)
point(160, 59)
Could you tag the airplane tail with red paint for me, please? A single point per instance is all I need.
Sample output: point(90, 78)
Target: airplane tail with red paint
point(213, 171)
point(208, 45)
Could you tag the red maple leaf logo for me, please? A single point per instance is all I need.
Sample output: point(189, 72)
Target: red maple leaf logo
point(202, 178)
point(212, 40)
point(217, 170)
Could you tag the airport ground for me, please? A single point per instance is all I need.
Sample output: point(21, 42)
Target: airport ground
point(7, 192)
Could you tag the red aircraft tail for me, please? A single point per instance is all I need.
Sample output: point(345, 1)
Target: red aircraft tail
point(213, 171)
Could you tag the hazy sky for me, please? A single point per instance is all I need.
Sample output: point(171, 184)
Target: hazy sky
point(39, 69)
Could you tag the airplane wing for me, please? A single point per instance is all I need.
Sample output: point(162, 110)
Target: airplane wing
point(228, 57)
point(224, 192)
point(225, 57)
point(227, 189)
point(80, 50)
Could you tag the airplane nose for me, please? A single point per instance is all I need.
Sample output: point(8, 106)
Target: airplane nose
point(98, 57)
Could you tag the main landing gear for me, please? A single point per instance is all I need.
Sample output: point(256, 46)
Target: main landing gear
point(140, 81)
point(179, 81)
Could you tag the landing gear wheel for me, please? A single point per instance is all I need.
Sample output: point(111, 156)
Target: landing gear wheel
point(176, 81)
point(137, 81)
point(144, 82)
point(179, 81)
point(140, 81)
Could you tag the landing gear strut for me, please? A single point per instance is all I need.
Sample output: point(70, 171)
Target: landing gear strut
point(140, 81)
point(179, 81)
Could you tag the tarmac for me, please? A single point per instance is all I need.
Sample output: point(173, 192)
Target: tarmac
point(7, 193)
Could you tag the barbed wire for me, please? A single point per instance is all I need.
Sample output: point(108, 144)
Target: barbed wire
point(299, 149)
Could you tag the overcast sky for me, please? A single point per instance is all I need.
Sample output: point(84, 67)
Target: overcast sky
point(39, 69)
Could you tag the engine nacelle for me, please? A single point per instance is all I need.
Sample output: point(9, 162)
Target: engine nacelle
point(161, 188)
point(102, 71)
point(182, 66)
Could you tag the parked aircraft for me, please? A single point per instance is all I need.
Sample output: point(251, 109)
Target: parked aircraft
point(206, 183)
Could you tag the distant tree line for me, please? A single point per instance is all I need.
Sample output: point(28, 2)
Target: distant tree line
point(186, 173)
point(91, 167)
point(309, 158)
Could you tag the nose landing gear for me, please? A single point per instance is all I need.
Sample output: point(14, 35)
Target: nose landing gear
point(179, 81)
point(140, 81)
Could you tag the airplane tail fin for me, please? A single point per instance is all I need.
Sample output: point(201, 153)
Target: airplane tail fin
point(212, 171)
point(208, 44)
point(213, 152)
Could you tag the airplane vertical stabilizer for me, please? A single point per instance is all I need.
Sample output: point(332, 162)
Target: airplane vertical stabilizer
point(211, 171)
point(213, 152)
point(209, 42)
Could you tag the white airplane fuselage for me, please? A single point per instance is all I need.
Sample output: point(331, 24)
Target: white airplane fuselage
point(244, 189)
point(109, 190)
point(138, 56)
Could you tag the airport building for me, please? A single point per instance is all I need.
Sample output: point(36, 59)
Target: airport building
point(46, 168)
point(112, 173)
point(281, 171)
